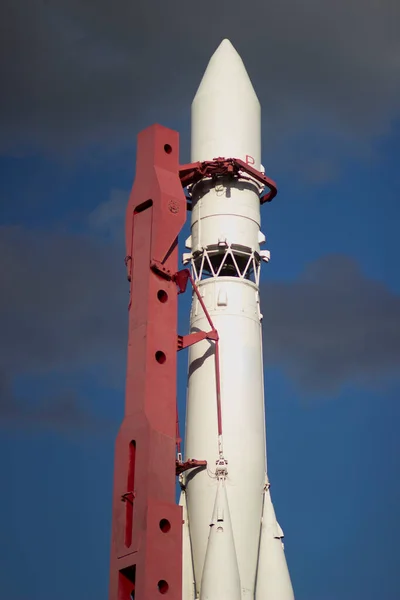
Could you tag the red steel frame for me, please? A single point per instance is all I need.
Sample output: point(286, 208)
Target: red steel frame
point(146, 546)
point(146, 542)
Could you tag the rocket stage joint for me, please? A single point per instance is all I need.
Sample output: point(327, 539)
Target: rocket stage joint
point(192, 173)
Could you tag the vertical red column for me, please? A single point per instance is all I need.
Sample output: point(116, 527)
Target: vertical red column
point(146, 547)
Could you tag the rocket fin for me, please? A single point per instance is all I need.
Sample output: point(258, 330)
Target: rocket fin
point(273, 579)
point(220, 579)
point(188, 583)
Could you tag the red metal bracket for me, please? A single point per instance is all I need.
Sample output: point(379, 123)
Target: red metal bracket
point(184, 341)
point(193, 173)
point(181, 279)
point(191, 463)
point(128, 497)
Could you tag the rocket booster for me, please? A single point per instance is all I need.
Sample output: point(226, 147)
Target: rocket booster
point(232, 542)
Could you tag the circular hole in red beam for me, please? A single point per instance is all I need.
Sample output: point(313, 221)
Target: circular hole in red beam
point(162, 296)
point(167, 148)
point(165, 525)
point(160, 357)
point(163, 586)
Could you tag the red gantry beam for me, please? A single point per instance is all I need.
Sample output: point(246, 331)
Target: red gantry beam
point(146, 547)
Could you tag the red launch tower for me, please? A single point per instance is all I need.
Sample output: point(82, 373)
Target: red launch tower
point(146, 554)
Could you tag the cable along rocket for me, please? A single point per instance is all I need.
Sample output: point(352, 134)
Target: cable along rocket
point(230, 544)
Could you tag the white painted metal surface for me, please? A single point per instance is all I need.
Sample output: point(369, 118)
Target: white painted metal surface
point(273, 580)
point(224, 254)
point(188, 585)
point(221, 572)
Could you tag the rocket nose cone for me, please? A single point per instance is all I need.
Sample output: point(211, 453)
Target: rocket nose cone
point(226, 47)
point(226, 113)
point(225, 71)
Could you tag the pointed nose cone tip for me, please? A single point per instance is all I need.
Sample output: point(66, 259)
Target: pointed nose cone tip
point(225, 68)
point(226, 47)
point(226, 43)
point(226, 113)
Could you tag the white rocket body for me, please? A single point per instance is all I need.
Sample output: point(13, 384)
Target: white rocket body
point(244, 558)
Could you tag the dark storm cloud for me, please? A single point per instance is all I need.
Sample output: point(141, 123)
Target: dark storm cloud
point(63, 311)
point(108, 217)
point(63, 412)
point(63, 302)
point(82, 72)
point(332, 326)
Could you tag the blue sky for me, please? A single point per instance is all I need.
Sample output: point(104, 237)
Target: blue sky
point(79, 84)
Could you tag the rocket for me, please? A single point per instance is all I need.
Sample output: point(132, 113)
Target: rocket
point(232, 542)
